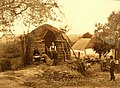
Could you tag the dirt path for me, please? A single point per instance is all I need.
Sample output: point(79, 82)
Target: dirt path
point(32, 77)
point(98, 80)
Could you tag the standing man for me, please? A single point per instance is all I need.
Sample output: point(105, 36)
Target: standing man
point(54, 53)
point(112, 68)
point(53, 47)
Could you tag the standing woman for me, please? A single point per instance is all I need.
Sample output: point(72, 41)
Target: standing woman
point(112, 68)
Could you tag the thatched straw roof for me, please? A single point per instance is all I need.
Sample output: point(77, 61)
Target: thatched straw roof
point(81, 44)
point(42, 30)
point(91, 43)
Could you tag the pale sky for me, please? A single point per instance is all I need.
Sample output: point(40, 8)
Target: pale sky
point(81, 15)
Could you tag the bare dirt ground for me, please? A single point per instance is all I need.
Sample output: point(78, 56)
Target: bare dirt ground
point(43, 76)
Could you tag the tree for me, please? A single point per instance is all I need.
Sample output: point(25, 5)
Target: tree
point(104, 40)
point(87, 35)
point(33, 12)
point(114, 25)
point(114, 21)
point(101, 47)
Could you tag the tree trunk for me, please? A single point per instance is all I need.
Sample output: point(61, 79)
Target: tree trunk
point(100, 55)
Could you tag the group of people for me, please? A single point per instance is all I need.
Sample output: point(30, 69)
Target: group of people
point(46, 57)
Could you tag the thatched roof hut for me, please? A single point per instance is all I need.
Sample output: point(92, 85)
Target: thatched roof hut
point(42, 37)
point(81, 44)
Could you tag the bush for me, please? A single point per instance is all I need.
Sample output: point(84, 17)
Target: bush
point(11, 49)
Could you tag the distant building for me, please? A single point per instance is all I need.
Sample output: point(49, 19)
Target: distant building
point(84, 46)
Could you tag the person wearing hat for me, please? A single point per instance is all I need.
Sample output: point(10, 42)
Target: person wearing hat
point(112, 68)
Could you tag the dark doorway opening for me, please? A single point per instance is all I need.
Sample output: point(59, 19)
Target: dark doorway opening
point(49, 38)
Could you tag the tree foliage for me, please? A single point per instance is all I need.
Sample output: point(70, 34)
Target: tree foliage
point(105, 40)
point(114, 21)
point(28, 11)
point(114, 25)
point(10, 49)
point(101, 47)
point(105, 33)
point(64, 29)
point(110, 32)
point(87, 35)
